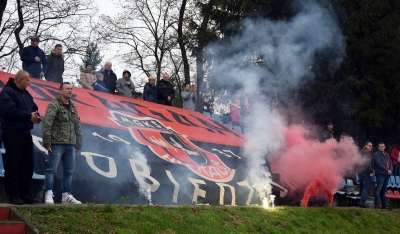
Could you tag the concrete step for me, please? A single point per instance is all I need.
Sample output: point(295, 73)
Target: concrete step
point(12, 227)
point(5, 213)
point(13, 222)
point(8, 226)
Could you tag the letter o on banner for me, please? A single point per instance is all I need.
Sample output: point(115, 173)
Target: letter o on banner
point(112, 173)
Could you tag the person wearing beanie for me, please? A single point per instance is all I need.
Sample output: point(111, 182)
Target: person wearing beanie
point(33, 59)
point(99, 85)
point(87, 76)
point(125, 86)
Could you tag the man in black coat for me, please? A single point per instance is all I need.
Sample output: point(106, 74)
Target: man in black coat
point(33, 59)
point(165, 91)
point(328, 133)
point(110, 79)
point(18, 114)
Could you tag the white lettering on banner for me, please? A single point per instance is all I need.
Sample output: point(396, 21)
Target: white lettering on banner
point(97, 135)
point(112, 173)
point(145, 173)
point(115, 138)
point(197, 191)
point(228, 151)
point(227, 155)
point(222, 193)
point(36, 140)
point(245, 183)
point(176, 184)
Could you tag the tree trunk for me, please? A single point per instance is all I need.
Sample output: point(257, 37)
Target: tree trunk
point(20, 27)
point(202, 42)
point(182, 45)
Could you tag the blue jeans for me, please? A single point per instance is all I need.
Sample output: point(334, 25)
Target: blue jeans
point(364, 186)
point(67, 154)
point(380, 190)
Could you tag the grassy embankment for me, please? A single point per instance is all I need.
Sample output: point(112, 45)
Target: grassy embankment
point(209, 219)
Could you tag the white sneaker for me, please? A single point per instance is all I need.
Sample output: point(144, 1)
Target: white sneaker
point(69, 199)
point(48, 197)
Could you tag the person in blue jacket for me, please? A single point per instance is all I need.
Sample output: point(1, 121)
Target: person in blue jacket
point(383, 170)
point(99, 85)
point(34, 59)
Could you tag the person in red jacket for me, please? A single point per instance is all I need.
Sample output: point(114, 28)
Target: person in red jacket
point(394, 155)
point(234, 115)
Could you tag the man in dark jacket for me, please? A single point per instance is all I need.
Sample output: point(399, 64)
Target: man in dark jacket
point(110, 79)
point(366, 172)
point(33, 59)
point(150, 90)
point(18, 114)
point(55, 62)
point(165, 91)
point(328, 133)
point(383, 170)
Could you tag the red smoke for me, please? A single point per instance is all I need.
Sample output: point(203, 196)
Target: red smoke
point(318, 188)
point(312, 168)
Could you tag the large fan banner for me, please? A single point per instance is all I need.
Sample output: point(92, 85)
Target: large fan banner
point(139, 152)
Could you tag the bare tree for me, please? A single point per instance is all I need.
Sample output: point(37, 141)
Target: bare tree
point(145, 33)
point(65, 22)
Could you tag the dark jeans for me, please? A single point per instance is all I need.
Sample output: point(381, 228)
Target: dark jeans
point(364, 186)
point(396, 170)
point(18, 162)
point(380, 190)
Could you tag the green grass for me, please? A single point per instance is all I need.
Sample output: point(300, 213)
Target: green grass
point(209, 219)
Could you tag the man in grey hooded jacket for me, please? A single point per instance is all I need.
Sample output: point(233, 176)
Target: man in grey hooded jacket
point(125, 86)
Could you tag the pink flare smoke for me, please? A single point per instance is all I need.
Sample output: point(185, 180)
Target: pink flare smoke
point(303, 163)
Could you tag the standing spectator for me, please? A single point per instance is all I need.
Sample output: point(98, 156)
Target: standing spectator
point(366, 172)
point(383, 170)
point(125, 86)
point(165, 91)
point(62, 138)
point(55, 64)
point(150, 90)
point(189, 97)
point(110, 79)
point(207, 98)
point(99, 84)
point(33, 59)
point(18, 114)
point(87, 76)
point(235, 115)
point(394, 155)
point(245, 103)
point(328, 133)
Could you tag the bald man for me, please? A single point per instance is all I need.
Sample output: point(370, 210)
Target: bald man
point(18, 114)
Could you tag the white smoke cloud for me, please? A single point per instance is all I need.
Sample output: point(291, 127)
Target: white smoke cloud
point(287, 49)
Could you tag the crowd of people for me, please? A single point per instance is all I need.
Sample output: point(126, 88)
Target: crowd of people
point(374, 174)
point(19, 113)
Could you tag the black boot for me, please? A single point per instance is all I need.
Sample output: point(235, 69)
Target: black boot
point(28, 199)
point(14, 199)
